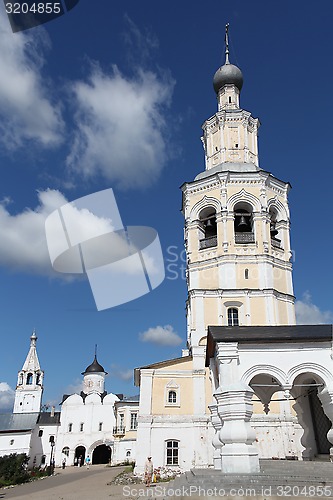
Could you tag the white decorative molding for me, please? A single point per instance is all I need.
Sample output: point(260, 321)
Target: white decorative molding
point(205, 202)
point(243, 196)
point(271, 370)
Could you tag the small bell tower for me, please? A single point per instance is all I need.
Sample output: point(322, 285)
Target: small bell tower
point(237, 225)
point(29, 389)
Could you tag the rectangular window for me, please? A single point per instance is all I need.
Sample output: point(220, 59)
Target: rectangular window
point(172, 453)
point(233, 317)
point(70, 427)
point(134, 421)
point(100, 426)
point(81, 427)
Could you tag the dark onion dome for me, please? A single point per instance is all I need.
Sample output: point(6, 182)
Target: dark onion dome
point(95, 367)
point(228, 74)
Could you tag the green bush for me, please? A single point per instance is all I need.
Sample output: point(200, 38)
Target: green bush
point(13, 469)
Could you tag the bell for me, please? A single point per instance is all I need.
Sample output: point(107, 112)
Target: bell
point(209, 223)
point(242, 221)
point(274, 231)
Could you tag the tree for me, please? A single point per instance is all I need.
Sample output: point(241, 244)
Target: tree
point(13, 469)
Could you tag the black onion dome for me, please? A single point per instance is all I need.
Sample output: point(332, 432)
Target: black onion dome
point(95, 367)
point(228, 74)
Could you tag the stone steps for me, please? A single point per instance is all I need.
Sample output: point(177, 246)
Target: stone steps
point(277, 478)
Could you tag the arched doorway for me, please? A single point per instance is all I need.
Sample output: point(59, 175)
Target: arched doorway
point(311, 415)
point(101, 454)
point(321, 424)
point(80, 453)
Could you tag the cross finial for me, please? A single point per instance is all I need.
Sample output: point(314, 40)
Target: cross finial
point(95, 350)
point(226, 40)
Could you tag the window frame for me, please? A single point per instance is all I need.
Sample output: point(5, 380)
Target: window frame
point(172, 387)
point(174, 456)
point(231, 319)
point(135, 426)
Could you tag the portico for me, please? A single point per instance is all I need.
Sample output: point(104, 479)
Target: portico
point(255, 362)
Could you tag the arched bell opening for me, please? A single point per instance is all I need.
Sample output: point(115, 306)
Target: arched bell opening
point(273, 220)
point(207, 228)
point(243, 223)
point(306, 392)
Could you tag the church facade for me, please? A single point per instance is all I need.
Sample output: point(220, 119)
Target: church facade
point(252, 384)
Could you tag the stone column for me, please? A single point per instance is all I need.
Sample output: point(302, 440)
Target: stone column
point(326, 398)
point(235, 408)
point(216, 422)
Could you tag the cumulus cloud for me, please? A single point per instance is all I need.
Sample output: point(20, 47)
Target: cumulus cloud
point(161, 335)
point(121, 130)
point(308, 313)
point(22, 236)
point(27, 112)
point(7, 395)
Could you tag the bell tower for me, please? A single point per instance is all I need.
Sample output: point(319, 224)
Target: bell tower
point(29, 389)
point(237, 224)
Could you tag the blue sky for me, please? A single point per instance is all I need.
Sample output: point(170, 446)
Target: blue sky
point(113, 94)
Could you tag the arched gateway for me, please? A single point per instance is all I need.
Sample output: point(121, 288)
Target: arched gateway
point(101, 454)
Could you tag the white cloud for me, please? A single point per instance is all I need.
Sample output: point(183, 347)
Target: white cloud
point(7, 395)
point(161, 335)
point(121, 131)
point(75, 388)
point(26, 110)
point(141, 45)
point(308, 313)
point(22, 236)
point(122, 373)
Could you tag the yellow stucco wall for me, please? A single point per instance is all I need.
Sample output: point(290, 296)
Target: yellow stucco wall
point(180, 374)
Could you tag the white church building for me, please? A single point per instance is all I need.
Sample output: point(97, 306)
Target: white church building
point(251, 383)
point(92, 423)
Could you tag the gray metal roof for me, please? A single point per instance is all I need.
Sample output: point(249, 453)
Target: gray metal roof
point(11, 422)
point(45, 418)
point(266, 335)
point(226, 75)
